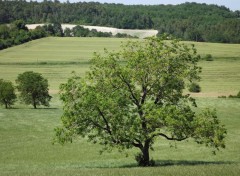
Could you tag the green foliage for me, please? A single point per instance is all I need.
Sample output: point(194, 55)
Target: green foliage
point(208, 131)
point(17, 33)
point(130, 97)
point(194, 87)
point(7, 93)
point(54, 29)
point(79, 31)
point(33, 89)
point(20, 25)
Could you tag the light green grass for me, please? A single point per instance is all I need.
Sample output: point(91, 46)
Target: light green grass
point(55, 49)
point(217, 49)
point(56, 58)
point(26, 148)
point(221, 76)
point(26, 134)
point(56, 74)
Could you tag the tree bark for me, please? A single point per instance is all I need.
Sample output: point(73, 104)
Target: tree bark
point(34, 101)
point(6, 104)
point(145, 159)
point(34, 105)
point(145, 152)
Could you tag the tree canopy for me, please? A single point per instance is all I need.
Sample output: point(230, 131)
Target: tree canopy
point(7, 93)
point(131, 97)
point(33, 88)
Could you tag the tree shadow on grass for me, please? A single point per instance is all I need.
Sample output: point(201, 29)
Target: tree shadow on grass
point(189, 163)
point(40, 108)
point(11, 108)
point(164, 163)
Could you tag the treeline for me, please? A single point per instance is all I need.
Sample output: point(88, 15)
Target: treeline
point(189, 21)
point(17, 33)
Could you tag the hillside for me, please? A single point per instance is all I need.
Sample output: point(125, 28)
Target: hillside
point(57, 57)
point(189, 21)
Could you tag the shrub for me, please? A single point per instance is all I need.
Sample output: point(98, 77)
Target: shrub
point(208, 57)
point(222, 96)
point(194, 87)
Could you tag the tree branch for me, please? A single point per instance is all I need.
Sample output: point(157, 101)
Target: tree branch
point(108, 129)
point(137, 144)
point(169, 138)
point(144, 90)
point(136, 102)
point(97, 125)
point(157, 97)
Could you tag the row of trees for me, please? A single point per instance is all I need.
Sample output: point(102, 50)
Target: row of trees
point(79, 31)
point(33, 88)
point(189, 21)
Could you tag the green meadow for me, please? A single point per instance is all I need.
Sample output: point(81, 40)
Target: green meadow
point(26, 134)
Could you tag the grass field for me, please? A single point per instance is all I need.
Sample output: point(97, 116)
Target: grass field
point(56, 58)
point(26, 134)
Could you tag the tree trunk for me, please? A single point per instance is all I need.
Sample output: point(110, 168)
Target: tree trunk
point(5, 102)
point(34, 105)
point(143, 158)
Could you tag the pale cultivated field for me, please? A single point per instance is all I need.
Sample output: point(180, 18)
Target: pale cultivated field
point(114, 31)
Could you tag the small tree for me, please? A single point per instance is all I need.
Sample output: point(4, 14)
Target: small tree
point(33, 89)
point(7, 93)
point(131, 97)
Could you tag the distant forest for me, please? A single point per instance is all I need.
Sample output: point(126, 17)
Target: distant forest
point(188, 21)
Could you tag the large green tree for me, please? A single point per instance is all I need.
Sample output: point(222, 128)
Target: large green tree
point(7, 93)
point(131, 97)
point(33, 88)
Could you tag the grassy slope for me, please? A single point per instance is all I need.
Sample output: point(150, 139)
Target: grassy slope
point(56, 58)
point(26, 134)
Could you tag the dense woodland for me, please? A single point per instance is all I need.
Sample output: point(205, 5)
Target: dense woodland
point(189, 21)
